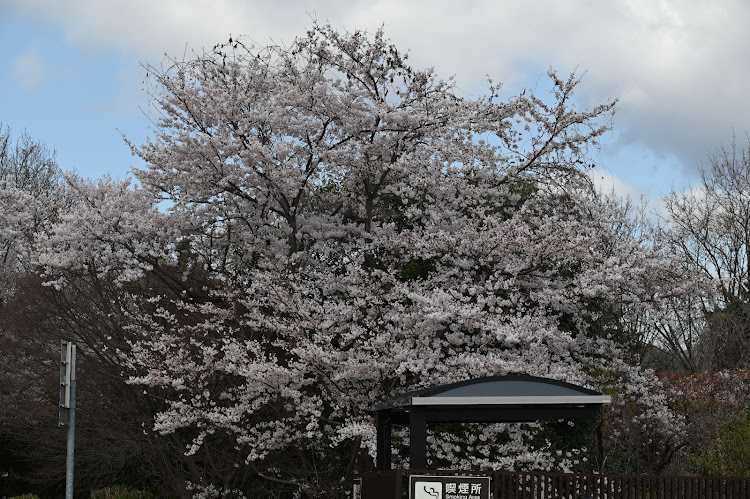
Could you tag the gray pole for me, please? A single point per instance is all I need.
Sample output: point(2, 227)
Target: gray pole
point(71, 443)
point(69, 461)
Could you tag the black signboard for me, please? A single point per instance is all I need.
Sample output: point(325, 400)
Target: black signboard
point(449, 487)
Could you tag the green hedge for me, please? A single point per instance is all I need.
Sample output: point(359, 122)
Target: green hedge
point(120, 492)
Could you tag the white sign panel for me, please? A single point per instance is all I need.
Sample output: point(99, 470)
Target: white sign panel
point(67, 375)
point(449, 487)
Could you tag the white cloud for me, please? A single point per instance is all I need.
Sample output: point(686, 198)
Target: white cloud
point(148, 29)
point(607, 182)
point(29, 72)
point(679, 66)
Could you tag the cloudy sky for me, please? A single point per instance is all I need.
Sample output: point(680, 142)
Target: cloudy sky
point(71, 74)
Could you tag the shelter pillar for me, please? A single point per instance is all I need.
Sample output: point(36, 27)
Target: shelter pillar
point(417, 438)
point(383, 424)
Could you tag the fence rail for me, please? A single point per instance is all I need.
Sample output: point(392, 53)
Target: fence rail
point(512, 485)
point(542, 485)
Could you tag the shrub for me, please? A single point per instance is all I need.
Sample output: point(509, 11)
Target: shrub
point(120, 492)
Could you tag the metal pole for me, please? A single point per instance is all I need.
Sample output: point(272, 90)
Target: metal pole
point(69, 461)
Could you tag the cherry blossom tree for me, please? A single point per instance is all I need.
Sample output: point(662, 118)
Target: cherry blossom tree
point(31, 192)
point(34, 194)
point(341, 228)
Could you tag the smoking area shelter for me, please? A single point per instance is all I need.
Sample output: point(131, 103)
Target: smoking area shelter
point(494, 399)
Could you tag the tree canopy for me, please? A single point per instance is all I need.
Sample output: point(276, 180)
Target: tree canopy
point(321, 226)
point(709, 227)
point(31, 191)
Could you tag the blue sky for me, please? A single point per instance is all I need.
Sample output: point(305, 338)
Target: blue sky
point(70, 72)
point(75, 100)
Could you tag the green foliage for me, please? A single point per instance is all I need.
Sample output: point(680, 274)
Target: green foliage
point(714, 405)
point(417, 269)
point(120, 492)
point(727, 454)
point(25, 496)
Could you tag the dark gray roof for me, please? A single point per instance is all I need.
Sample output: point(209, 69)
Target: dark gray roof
point(506, 390)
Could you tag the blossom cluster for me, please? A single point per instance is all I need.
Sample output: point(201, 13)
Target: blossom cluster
point(330, 227)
